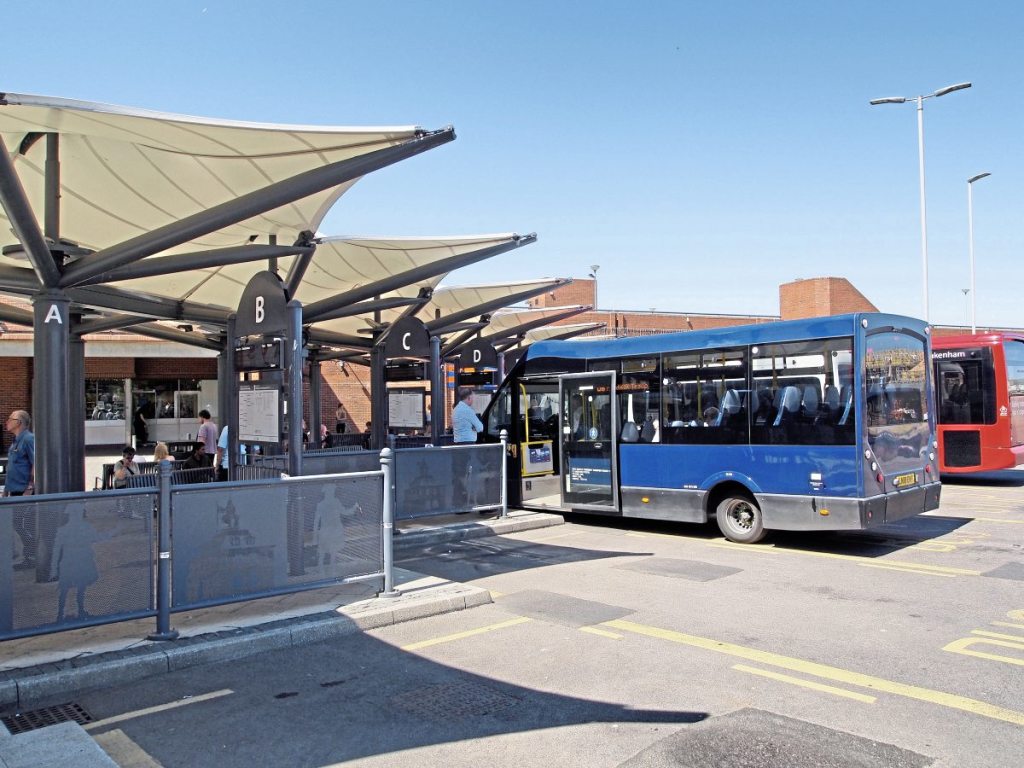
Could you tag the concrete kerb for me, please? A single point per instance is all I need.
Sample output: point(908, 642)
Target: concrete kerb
point(421, 597)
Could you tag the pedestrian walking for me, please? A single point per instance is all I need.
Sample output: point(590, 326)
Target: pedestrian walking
point(21, 462)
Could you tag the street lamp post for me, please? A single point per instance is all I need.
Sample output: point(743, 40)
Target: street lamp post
point(966, 291)
point(920, 160)
point(970, 237)
point(593, 274)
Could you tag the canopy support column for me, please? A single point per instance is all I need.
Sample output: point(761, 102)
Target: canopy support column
point(231, 400)
point(315, 381)
point(50, 387)
point(437, 399)
point(294, 364)
point(378, 399)
point(76, 413)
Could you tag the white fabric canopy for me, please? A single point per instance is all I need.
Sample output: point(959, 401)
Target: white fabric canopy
point(125, 172)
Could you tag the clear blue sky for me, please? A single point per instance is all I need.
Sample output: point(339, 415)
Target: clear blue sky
point(700, 153)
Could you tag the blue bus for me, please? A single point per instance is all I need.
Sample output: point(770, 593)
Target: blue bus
point(818, 424)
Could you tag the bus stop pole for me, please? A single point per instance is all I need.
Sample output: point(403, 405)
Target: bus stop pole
point(388, 524)
point(163, 573)
point(504, 473)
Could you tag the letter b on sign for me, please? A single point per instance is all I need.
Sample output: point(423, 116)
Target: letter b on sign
point(260, 313)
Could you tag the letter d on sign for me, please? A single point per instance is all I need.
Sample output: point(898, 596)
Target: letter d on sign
point(260, 312)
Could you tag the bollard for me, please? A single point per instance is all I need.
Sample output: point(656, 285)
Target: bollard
point(163, 573)
point(504, 473)
point(388, 525)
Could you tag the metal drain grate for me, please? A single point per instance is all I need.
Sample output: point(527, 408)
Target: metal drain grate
point(40, 718)
point(454, 700)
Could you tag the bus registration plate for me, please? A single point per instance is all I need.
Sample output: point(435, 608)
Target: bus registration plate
point(902, 481)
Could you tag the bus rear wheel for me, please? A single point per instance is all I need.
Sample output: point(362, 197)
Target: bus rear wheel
point(739, 519)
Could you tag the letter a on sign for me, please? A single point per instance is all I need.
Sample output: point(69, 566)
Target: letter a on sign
point(53, 314)
point(259, 309)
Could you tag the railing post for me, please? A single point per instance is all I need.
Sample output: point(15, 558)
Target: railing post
point(504, 473)
point(388, 524)
point(163, 573)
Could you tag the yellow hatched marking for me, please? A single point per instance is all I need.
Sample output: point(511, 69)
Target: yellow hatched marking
point(601, 633)
point(907, 569)
point(467, 633)
point(159, 708)
point(953, 701)
point(998, 635)
point(806, 683)
point(1006, 624)
point(963, 646)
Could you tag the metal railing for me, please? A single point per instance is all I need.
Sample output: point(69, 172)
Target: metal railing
point(81, 559)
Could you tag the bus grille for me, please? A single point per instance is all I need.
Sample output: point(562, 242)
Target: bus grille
point(962, 449)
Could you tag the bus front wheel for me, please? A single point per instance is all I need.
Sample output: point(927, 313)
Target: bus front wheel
point(739, 519)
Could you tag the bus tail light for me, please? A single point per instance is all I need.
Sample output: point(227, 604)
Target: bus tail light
point(927, 469)
point(879, 478)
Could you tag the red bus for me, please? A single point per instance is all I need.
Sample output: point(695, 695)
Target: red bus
point(979, 388)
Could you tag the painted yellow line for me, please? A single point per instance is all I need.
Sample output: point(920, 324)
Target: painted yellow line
point(907, 569)
point(496, 594)
point(601, 633)
point(467, 633)
point(541, 540)
point(159, 708)
point(835, 674)
point(123, 751)
point(806, 683)
point(962, 645)
point(1006, 624)
point(1014, 638)
point(761, 548)
point(997, 520)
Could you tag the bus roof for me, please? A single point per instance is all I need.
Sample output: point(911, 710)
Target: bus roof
point(761, 333)
point(976, 339)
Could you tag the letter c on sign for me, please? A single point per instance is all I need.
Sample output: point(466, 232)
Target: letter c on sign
point(405, 340)
point(260, 312)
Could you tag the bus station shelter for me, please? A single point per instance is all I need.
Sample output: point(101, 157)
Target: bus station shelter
point(122, 218)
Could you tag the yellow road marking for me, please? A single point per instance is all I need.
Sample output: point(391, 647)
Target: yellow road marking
point(495, 593)
point(1006, 624)
point(159, 708)
point(123, 751)
point(467, 633)
point(601, 632)
point(763, 549)
point(806, 683)
point(997, 520)
point(984, 633)
point(835, 674)
point(541, 540)
point(907, 569)
point(962, 645)
point(934, 546)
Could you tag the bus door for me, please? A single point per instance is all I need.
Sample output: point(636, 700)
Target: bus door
point(588, 429)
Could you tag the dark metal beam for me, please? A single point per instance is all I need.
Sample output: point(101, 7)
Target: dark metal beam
point(107, 323)
point(9, 314)
point(339, 339)
point(24, 222)
point(186, 262)
point(372, 306)
point(154, 331)
point(119, 300)
point(461, 339)
point(18, 280)
point(297, 271)
point(316, 309)
point(538, 323)
point(444, 324)
point(421, 301)
point(252, 204)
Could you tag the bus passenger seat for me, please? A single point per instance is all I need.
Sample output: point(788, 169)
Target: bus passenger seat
point(831, 399)
point(809, 403)
point(731, 407)
point(630, 433)
point(787, 401)
point(846, 399)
